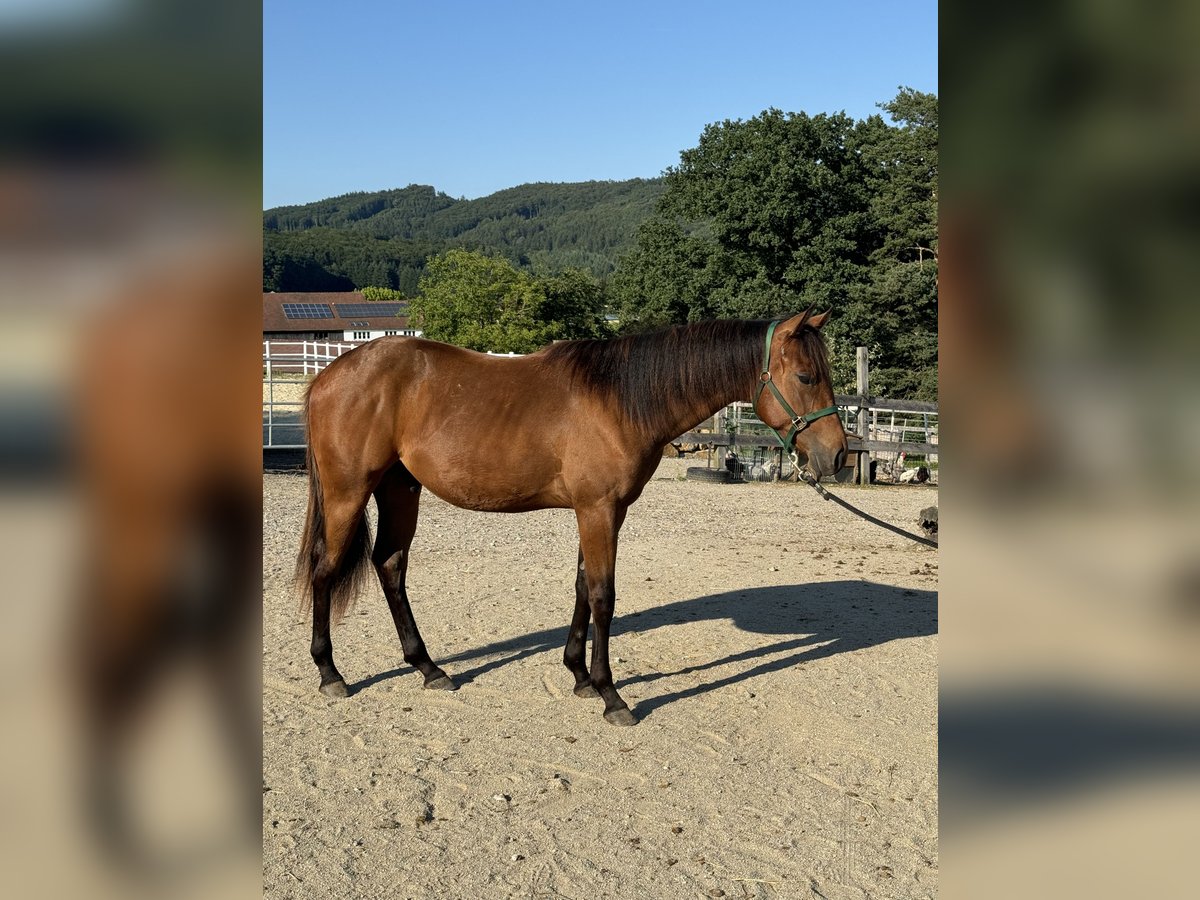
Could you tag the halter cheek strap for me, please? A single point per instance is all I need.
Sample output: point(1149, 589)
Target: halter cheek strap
point(799, 422)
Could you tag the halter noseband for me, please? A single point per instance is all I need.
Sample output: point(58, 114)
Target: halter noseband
point(799, 422)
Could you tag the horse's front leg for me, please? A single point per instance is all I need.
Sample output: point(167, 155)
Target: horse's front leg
point(598, 529)
point(577, 636)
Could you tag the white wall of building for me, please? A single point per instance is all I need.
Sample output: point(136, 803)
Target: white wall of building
point(362, 334)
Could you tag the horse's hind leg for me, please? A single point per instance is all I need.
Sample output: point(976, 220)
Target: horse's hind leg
point(577, 636)
point(345, 536)
point(398, 496)
point(321, 648)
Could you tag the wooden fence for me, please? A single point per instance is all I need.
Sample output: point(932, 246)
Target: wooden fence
point(870, 422)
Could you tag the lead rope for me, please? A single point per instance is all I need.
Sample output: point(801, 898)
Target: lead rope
point(816, 486)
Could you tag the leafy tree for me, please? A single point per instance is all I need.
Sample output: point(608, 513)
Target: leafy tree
point(763, 218)
point(783, 192)
point(895, 312)
point(383, 293)
point(575, 302)
point(485, 303)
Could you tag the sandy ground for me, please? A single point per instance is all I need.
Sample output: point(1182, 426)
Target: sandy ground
point(781, 654)
point(287, 389)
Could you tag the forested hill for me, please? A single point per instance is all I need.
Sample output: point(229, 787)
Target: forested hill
point(383, 238)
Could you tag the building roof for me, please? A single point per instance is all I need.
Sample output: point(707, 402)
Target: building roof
point(322, 311)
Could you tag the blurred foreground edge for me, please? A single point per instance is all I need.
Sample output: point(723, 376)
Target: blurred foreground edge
point(1069, 671)
point(130, 273)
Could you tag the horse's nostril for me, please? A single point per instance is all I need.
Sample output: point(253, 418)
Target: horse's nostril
point(840, 460)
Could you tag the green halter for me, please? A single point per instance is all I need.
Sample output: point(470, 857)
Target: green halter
point(799, 422)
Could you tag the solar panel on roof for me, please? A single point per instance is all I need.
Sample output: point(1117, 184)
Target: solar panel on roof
point(348, 310)
point(307, 311)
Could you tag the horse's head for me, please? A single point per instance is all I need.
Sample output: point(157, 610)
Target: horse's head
point(798, 367)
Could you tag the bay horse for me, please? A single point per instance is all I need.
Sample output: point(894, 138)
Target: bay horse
point(578, 425)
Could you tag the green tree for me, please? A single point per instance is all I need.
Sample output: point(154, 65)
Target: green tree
point(575, 302)
point(485, 303)
point(762, 218)
point(895, 312)
point(383, 293)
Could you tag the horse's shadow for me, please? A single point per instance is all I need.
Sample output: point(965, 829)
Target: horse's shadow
point(811, 621)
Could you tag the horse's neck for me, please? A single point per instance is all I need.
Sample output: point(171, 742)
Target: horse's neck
point(688, 412)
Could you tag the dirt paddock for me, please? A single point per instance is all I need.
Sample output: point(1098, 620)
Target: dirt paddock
point(780, 653)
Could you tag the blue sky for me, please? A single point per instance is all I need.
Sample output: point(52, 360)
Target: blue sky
point(473, 96)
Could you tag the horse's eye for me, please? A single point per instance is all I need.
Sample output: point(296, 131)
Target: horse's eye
point(804, 377)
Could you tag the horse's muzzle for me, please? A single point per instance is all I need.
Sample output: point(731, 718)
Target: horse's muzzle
point(821, 464)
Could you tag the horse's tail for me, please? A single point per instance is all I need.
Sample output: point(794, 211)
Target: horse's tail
point(347, 572)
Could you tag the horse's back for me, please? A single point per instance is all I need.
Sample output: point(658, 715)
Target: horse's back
point(482, 432)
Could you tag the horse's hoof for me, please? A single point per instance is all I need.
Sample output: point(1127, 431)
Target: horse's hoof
point(441, 682)
point(586, 690)
point(619, 717)
point(336, 689)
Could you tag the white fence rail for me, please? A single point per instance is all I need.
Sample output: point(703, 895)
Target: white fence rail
point(287, 368)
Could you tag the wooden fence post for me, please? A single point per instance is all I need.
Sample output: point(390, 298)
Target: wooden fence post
point(864, 383)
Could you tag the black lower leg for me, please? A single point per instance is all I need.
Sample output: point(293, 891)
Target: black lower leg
point(598, 528)
point(616, 711)
point(398, 497)
point(577, 636)
point(391, 577)
point(332, 683)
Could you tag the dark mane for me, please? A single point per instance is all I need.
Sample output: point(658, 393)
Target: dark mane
point(663, 376)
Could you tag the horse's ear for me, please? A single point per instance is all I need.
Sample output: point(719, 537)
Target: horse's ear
point(791, 325)
point(808, 317)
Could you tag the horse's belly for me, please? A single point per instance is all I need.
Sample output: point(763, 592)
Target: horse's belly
point(490, 488)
